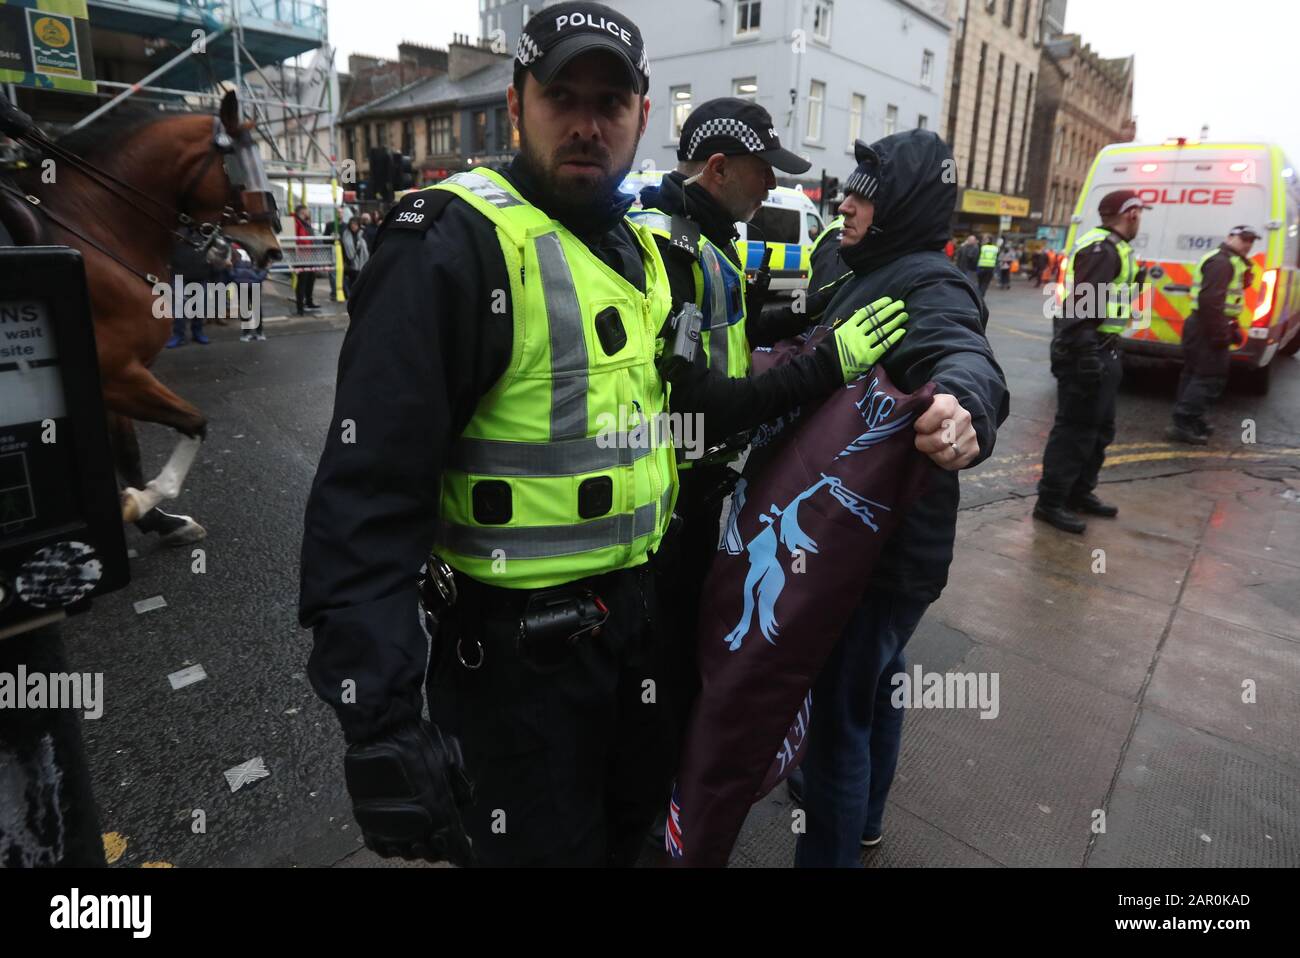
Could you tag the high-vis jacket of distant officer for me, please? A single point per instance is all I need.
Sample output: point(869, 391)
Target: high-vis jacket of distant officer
point(720, 290)
point(1206, 296)
point(1118, 295)
point(558, 474)
point(988, 256)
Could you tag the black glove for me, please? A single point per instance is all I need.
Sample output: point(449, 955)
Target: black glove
point(1141, 276)
point(1236, 335)
point(407, 788)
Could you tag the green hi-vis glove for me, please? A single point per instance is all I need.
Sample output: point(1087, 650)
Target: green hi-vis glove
point(865, 336)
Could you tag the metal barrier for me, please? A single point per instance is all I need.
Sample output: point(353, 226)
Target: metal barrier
point(306, 254)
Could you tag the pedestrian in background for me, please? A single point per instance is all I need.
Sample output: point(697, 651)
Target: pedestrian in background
point(1218, 288)
point(190, 265)
point(1038, 269)
point(968, 259)
point(239, 269)
point(355, 254)
point(306, 278)
point(1005, 258)
point(369, 229)
point(987, 264)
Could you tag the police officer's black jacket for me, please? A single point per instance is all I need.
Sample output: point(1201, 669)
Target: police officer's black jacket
point(1216, 276)
point(430, 334)
point(1095, 269)
point(945, 341)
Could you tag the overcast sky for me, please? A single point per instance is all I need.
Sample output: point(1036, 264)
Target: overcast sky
point(1231, 65)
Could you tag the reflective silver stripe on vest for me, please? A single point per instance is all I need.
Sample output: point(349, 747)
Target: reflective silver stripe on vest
point(569, 372)
point(657, 221)
point(545, 542)
point(568, 457)
point(718, 338)
point(487, 189)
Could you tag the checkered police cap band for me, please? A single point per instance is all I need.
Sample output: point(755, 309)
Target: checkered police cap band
point(725, 126)
point(862, 183)
point(526, 51)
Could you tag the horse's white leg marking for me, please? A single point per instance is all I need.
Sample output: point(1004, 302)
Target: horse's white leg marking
point(167, 484)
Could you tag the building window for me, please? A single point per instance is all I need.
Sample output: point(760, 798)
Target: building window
point(816, 97)
point(922, 122)
point(501, 137)
point(478, 142)
point(408, 137)
point(1024, 18)
point(746, 88)
point(528, 15)
point(442, 135)
point(927, 68)
point(680, 98)
point(1006, 12)
point(748, 13)
point(857, 107)
point(891, 119)
point(822, 21)
point(365, 135)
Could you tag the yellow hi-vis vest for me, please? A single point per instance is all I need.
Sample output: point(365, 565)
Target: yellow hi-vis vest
point(720, 294)
point(835, 224)
point(988, 256)
point(1123, 293)
point(1235, 297)
point(561, 472)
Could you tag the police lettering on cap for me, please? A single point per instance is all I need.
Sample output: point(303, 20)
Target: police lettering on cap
point(1120, 201)
point(735, 127)
point(557, 34)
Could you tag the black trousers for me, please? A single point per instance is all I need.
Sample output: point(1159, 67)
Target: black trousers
point(303, 291)
point(572, 756)
point(1204, 376)
point(1084, 427)
point(985, 274)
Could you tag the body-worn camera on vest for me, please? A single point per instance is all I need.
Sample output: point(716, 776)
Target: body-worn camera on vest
point(61, 539)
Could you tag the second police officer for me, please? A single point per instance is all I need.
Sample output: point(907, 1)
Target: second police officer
point(1218, 291)
point(1101, 283)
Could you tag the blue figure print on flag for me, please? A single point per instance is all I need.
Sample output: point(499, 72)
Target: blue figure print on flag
point(766, 577)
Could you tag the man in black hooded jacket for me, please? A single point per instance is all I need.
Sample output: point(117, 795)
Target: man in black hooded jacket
point(899, 202)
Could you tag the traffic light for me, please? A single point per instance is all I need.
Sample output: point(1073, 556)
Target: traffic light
point(381, 164)
point(401, 173)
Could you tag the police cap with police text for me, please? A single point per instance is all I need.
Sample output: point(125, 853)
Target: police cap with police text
point(735, 127)
point(557, 34)
point(1120, 201)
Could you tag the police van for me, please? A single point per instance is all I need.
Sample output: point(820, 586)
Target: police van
point(787, 223)
point(1198, 191)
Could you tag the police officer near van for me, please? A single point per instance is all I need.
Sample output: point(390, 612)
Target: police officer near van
point(503, 317)
point(1101, 284)
point(1218, 289)
point(987, 263)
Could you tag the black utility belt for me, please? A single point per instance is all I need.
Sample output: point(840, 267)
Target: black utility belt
point(551, 621)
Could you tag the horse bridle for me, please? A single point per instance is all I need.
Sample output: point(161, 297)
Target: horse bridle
point(246, 183)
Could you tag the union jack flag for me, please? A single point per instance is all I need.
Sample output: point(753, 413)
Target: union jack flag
point(673, 833)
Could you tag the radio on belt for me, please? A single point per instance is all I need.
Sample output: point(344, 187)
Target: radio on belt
point(61, 538)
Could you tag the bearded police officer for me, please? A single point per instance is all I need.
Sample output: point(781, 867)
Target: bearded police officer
point(1218, 289)
point(502, 316)
point(1101, 283)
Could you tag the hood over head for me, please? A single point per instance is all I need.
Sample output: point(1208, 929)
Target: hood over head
point(914, 200)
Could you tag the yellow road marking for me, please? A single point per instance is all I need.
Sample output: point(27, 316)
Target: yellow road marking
point(114, 846)
point(1160, 453)
point(1020, 332)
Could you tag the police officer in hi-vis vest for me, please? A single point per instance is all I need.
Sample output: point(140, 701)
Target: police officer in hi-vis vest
point(726, 155)
point(1101, 285)
point(1218, 289)
point(988, 262)
point(504, 321)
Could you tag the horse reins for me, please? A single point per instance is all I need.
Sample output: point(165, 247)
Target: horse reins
point(208, 232)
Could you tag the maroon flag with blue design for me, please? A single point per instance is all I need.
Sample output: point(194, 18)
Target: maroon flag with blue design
point(821, 493)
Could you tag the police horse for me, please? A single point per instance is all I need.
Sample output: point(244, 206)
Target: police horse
point(123, 192)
